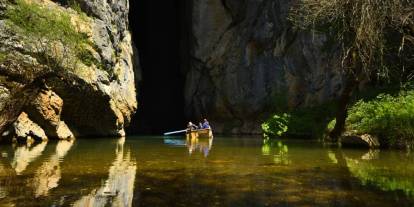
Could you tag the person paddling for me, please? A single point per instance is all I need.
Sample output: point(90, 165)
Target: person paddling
point(206, 124)
point(191, 126)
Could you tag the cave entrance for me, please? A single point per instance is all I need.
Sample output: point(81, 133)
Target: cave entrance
point(159, 34)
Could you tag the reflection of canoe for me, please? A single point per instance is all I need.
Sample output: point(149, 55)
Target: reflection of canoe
point(200, 133)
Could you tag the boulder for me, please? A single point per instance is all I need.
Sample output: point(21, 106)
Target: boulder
point(46, 110)
point(25, 129)
point(364, 141)
point(63, 131)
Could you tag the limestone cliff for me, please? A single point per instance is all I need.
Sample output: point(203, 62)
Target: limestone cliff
point(93, 98)
point(247, 61)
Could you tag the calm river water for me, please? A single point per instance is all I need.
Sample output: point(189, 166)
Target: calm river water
point(156, 171)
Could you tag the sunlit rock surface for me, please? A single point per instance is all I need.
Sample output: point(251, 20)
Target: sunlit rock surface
point(25, 128)
point(46, 110)
point(246, 61)
point(95, 100)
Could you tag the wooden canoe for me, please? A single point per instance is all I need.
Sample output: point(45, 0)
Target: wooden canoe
point(200, 133)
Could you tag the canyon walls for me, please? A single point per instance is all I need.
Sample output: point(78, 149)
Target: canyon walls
point(246, 61)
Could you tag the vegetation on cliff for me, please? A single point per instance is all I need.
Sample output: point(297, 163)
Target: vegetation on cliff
point(50, 35)
point(375, 40)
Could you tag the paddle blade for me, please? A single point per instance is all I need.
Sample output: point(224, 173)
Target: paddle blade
point(175, 132)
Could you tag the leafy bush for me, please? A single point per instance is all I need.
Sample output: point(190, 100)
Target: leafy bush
point(304, 122)
point(49, 31)
point(391, 118)
point(277, 125)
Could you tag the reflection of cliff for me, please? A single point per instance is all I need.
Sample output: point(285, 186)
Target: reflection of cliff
point(5, 172)
point(118, 189)
point(49, 173)
point(24, 155)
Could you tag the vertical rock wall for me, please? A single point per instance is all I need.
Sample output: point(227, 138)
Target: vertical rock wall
point(246, 61)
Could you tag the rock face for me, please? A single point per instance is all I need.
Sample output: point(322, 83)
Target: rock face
point(246, 61)
point(96, 100)
point(25, 128)
point(46, 110)
point(365, 140)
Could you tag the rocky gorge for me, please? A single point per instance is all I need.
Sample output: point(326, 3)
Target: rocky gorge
point(247, 61)
point(237, 61)
point(92, 99)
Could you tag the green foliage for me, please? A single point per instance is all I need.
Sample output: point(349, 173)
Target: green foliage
point(3, 57)
point(50, 33)
point(331, 125)
point(87, 58)
point(391, 118)
point(76, 7)
point(277, 125)
point(311, 121)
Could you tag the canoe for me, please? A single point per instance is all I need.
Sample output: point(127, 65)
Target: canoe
point(200, 133)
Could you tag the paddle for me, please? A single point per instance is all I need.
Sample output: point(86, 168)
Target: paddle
point(175, 132)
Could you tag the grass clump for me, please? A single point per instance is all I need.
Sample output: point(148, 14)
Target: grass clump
point(390, 118)
point(49, 32)
point(3, 57)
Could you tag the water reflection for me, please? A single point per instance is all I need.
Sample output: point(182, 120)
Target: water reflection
point(24, 155)
point(47, 176)
point(372, 171)
point(278, 150)
point(202, 145)
point(118, 189)
point(240, 172)
point(193, 144)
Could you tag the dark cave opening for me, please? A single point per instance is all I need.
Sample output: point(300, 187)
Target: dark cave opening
point(159, 33)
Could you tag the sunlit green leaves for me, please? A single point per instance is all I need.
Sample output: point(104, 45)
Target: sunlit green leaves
point(277, 125)
point(49, 31)
point(388, 117)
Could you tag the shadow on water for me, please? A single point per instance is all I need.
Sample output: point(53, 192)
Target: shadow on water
point(175, 171)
